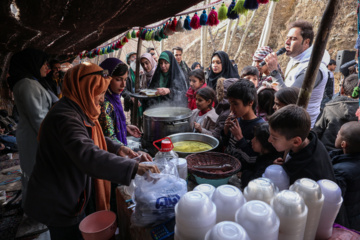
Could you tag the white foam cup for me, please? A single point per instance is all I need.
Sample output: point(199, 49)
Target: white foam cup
point(228, 199)
point(208, 189)
point(278, 176)
point(310, 191)
point(332, 203)
point(195, 214)
point(227, 230)
point(292, 211)
point(259, 220)
point(262, 189)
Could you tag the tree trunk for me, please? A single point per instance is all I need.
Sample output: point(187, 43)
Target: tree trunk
point(264, 39)
point(244, 36)
point(227, 34)
point(233, 34)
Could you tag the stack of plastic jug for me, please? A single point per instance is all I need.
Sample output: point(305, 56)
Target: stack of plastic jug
point(166, 158)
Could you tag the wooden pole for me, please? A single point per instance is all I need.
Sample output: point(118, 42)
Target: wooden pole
point(317, 54)
point(227, 34)
point(264, 39)
point(233, 34)
point(162, 46)
point(212, 39)
point(135, 116)
point(244, 36)
point(202, 57)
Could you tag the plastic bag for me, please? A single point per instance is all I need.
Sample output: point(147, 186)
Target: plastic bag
point(156, 195)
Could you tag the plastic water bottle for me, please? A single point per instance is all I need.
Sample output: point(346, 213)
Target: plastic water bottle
point(166, 158)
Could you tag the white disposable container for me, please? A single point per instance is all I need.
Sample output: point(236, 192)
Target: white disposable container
point(310, 191)
point(228, 199)
point(331, 207)
point(227, 231)
point(290, 207)
point(262, 189)
point(181, 165)
point(195, 214)
point(278, 176)
point(205, 188)
point(259, 220)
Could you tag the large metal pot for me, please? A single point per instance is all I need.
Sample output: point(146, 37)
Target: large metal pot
point(163, 121)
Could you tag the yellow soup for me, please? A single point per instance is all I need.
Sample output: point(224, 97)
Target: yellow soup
point(191, 146)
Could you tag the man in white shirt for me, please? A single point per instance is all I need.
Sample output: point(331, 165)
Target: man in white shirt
point(298, 46)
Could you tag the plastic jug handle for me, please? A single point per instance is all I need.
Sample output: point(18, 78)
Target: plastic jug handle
point(159, 140)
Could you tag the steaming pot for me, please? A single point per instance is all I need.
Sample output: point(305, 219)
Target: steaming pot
point(164, 121)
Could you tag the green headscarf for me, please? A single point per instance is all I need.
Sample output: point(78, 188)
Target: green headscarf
point(164, 76)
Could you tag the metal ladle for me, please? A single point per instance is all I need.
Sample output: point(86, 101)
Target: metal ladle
point(225, 167)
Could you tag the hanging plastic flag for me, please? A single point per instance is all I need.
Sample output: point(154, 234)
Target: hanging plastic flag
point(203, 18)
point(251, 4)
point(187, 23)
point(195, 21)
point(262, 1)
point(222, 12)
point(232, 14)
point(133, 34)
point(212, 18)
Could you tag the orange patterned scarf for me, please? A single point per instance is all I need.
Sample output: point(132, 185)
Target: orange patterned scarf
point(83, 93)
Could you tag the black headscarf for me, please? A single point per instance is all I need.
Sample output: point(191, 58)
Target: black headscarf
point(176, 80)
point(26, 64)
point(193, 66)
point(228, 70)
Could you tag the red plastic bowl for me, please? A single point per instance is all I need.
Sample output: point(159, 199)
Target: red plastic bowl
point(100, 225)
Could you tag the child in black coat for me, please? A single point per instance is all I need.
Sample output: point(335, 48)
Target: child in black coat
point(267, 154)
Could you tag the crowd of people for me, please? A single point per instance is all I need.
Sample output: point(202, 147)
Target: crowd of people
point(72, 133)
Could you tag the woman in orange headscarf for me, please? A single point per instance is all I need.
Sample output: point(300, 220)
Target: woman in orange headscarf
point(72, 150)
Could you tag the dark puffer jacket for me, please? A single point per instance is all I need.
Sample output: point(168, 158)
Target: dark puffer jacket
point(338, 111)
point(347, 173)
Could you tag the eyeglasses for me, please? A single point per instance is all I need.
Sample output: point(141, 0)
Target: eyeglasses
point(103, 73)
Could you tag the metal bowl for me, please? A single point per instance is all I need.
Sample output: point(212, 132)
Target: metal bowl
point(213, 142)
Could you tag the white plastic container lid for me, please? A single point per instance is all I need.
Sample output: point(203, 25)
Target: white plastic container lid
point(205, 188)
point(195, 208)
point(227, 230)
point(331, 191)
point(258, 219)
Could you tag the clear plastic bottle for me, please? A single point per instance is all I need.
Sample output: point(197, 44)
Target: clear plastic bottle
point(166, 159)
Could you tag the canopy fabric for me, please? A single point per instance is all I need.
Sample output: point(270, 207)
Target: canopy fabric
point(66, 28)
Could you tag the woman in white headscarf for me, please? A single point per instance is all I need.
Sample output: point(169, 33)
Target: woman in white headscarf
point(149, 65)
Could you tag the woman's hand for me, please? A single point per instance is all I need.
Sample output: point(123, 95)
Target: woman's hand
point(133, 131)
point(143, 168)
point(162, 91)
point(145, 157)
point(126, 152)
point(197, 126)
point(235, 129)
